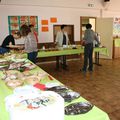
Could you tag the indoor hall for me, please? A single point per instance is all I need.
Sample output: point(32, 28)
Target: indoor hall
point(100, 87)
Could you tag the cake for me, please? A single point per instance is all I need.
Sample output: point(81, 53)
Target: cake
point(47, 105)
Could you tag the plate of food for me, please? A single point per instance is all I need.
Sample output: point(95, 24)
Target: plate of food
point(4, 67)
point(14, 83)
point(58, 89)
point(78, 108)
point(15, 65)
point(4, 62)
point(29, 66)
point(12, 75)
point(69, 95)
point(32, 80)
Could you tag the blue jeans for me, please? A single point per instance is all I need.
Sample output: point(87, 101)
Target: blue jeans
point(3, 50)
point(88, 52)
point(32, 56)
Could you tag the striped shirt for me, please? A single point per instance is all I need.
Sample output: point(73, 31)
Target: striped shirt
point(30, 43)
point(90, 36)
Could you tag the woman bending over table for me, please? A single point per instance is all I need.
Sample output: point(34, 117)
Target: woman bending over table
point(30, 43)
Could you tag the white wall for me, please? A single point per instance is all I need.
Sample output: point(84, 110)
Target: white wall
point(66, 11)
point(55, 3)
point(64, 16)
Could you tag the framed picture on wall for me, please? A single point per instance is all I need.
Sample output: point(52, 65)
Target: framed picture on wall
point(15, 22)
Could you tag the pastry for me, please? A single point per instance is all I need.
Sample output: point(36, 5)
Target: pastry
point(14, 83)
point(32, 80)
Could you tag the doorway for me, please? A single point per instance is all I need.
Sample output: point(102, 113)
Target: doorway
point(85, 20)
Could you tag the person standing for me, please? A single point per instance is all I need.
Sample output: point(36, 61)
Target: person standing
point(30, 43)
point(89, 37)
point(33, 31)
point(61, 41)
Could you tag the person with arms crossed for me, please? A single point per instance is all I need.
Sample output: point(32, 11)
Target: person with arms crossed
point(61, 41)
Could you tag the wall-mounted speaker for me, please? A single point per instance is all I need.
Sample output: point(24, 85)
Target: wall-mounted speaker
point(106, 4)
point(106, 0)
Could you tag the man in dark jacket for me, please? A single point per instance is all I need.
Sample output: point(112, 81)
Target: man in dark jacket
point(9, 42)
point(89, 37)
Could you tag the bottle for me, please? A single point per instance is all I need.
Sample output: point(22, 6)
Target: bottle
point(43, 47)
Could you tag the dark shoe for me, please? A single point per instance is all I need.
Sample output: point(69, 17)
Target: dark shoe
point(57, 69)
point(90, 70)
point(82, 70)
point(65, 68)
point(64, 65)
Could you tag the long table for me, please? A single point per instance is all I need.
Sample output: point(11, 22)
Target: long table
point(71, 51)
point(94, 114)
point(117, 42)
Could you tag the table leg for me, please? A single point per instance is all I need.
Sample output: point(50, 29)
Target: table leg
point(64, 61)
point(97, 59)
point(57, 62)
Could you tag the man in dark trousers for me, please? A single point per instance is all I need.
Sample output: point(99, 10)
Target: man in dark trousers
point(61, 41)
point(89, 37)
point(9, 42)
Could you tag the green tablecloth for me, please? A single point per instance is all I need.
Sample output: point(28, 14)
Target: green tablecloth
point(94, 114)
point(117, 42)
point(70, 51)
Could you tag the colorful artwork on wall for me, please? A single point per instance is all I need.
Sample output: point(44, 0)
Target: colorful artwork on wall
point(116, 26)
point(15, 22)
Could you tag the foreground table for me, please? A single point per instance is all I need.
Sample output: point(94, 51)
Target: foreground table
point(94, 114)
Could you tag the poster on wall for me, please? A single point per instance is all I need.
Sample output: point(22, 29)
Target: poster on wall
point(44, 22)
point(44, 29)
point(116, 27)
point(53, 20)
point(15, 22)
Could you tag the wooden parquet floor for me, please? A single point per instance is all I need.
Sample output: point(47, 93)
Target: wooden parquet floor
point(102, 87)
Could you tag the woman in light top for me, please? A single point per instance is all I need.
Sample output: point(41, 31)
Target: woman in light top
point(30, 43)
point(61, 41)
point(62, 37)
point(33, 31)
